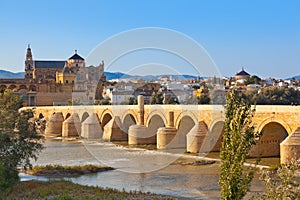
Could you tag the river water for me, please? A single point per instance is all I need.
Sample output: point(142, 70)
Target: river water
point(137, 169)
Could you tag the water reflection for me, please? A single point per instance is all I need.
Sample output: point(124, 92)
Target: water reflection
point(184, 181)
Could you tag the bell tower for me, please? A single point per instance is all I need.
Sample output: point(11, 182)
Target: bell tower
point(101, 81)
point(28, 65)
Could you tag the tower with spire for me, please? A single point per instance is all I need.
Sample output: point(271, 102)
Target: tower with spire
point(28, 64)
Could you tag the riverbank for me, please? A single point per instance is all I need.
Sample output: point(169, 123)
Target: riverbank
point(59, 171)
point(184, 175)
point(65, 190)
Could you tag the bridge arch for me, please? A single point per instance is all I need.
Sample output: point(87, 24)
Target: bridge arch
point(185, 114)
point(22, 87)
point(156, 113)
point(154, 123)
point(67, 116)
point(128, 120)
point(216, 134)
point(185, 124)
point(272, 119)
point(106, 117)
point(3, 87)
point(273, 133)
point(12, 87)
point(85, 115)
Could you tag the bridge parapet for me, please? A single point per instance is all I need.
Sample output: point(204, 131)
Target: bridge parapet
point(275, 122)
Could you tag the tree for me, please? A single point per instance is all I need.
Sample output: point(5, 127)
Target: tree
point(204, 99)
point(129, 101)
point(274, 95)
point(132, 101)
point(19, 141)
point(281, 184)
point(153, 98)
point(191, 99)
point(159, 98)
point(218, 97)
point(156, 98)
point(253, 80)
point(237, 140)
point(104, 101)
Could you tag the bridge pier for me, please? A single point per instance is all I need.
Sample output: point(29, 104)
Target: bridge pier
point(290, 148)
point(90, 128)
point(195, 138)
point(113, 132)
point(139, 134)
point(165, 135)
point(71, 126)
point(54, 125)
point(269, 119)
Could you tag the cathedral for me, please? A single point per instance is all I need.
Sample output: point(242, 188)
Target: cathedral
point(58, 82)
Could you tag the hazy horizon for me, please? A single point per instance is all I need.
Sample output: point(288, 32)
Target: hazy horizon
point(262, 36)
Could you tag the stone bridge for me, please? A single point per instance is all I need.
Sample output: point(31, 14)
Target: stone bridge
point(166, 124)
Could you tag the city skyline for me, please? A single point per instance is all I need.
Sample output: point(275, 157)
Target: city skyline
point(263, 36)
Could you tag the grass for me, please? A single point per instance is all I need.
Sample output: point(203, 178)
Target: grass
point(66, 171)
point(272, 162)
point(141, 146)
point(65, 190)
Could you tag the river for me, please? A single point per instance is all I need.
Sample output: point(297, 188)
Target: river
point(137, 169)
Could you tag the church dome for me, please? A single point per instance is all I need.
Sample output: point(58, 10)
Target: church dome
point(76, 57)
point(243, 73)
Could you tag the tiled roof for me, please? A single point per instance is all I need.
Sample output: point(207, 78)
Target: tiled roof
point(49, 64)
point(76, 57)
point(243, 73)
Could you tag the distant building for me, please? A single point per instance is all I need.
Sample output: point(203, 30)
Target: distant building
point(123, 91)
point(52, 82)
point(242, 76)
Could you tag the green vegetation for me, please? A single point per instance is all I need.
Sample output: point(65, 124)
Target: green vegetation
point(156, 98)
point(129, 101)
point(19, 141)
point(66, 171)
point(163, 98)
point(104, 101)
point(218, 97)
point(281, 183)
point(238, 138)
point(65, 190)
point(253, 80)
point(202, 99)
point(274, 96)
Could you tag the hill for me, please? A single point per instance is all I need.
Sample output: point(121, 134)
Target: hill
point(8, 74)
point(120, 75)
point(296, 77)
point(109, 75)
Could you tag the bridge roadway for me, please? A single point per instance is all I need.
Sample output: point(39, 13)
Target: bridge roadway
point(275, 122)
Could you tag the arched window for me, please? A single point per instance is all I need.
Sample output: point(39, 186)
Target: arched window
point(67, 81)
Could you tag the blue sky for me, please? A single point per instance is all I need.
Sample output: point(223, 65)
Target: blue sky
point(262, 36)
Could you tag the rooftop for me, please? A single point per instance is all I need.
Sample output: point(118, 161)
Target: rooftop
point(49, 64)
point(242, 73)
point(76, 56)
